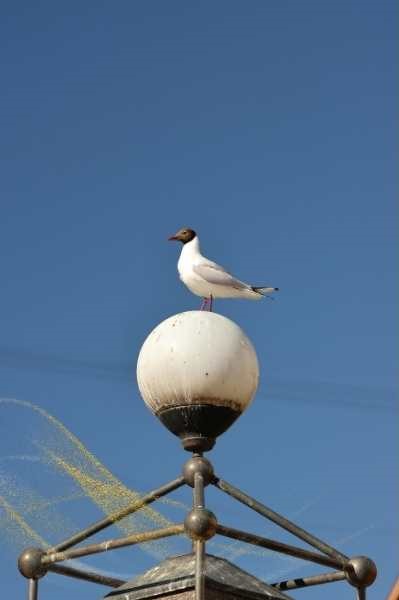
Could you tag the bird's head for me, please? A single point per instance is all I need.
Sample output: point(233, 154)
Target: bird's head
point(183, 235)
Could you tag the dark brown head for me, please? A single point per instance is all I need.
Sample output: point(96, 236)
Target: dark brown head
point(183, 235)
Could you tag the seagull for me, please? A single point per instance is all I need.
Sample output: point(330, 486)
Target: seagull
point(207, 279)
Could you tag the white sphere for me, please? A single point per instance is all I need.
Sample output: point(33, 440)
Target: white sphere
point(197, 358)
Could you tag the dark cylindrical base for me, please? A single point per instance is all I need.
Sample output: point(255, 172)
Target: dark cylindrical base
point(198, 425)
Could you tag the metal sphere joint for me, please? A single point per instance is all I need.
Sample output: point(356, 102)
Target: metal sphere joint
point(30, 563)
point(361, 571)
point(200, 524)
point(198, 464)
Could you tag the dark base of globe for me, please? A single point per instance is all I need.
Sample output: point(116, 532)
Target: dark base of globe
point(198, 425)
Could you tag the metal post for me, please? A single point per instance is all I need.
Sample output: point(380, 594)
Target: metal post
point(199, 570)
point(281, 521)
point(114, 518)
point(361, 594)
point(198, 495)
point(199, 502)
point(32, 589)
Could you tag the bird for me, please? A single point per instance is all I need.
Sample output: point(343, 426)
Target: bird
point(206, 278)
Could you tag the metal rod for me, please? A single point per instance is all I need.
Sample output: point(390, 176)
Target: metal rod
point(198, 493)
point(281, 521)
point(130, 540)
point(86, 575)
point(199, 570)
point(250, 538)
point(32, 589)
point(301, 582)
point(361, 594)
point(117, 516)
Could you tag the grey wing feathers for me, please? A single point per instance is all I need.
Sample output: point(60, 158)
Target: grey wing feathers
point(214, 274)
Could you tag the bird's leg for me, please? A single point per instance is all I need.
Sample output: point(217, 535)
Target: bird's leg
point(203, 303)
point(210, 303)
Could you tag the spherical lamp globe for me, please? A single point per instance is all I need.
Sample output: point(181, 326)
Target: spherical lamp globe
point(197, 372)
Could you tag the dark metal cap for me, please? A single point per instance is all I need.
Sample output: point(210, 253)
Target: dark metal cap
point(177, 574)
point(198, 425)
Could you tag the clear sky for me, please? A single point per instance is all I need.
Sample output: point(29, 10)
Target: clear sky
point(268, 128)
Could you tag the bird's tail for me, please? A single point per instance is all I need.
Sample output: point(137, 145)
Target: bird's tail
point(264, 291)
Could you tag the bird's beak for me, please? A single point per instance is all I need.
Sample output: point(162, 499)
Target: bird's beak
point(172, 237)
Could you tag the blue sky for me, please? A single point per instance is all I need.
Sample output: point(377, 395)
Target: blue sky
point(269, 128)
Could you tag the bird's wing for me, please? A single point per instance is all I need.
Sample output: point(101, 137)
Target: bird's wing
point(215, 274)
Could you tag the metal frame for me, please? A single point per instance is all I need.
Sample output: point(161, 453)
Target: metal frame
point(301, 582)
point(117, 516)
point(200, 525)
